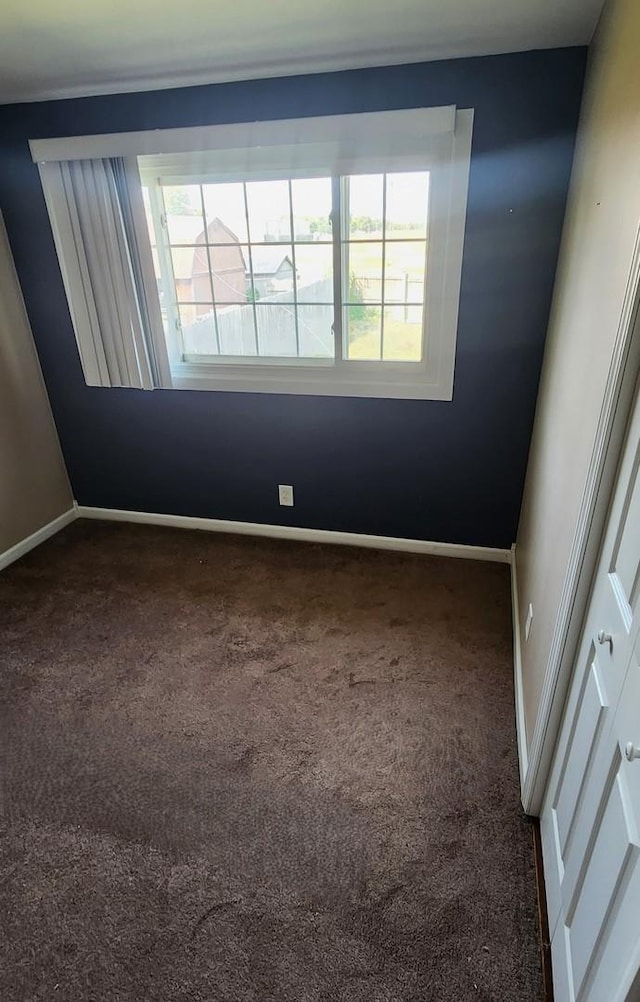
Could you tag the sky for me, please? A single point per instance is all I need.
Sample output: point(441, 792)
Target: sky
point(269, 210)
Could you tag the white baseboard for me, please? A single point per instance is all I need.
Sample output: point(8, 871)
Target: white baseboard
point(37, 537)
point(458, 550)
point(521, 727)
point(297, 533)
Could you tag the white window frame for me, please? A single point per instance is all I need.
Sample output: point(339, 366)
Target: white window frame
point(437, 140)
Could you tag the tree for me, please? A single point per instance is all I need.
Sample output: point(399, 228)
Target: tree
point(320, 226)
point(360, 316)
point(365, 224)
point(178, 203)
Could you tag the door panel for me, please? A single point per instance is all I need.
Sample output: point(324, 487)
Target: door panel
point(586, 732)
point(624, 561)
point(613, 616)
point(591, 813)
point(601, 874)
point(590, 715)
point(618, 962)
point(596, 946)
point(584, 750)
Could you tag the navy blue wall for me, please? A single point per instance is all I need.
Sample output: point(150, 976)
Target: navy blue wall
point(450, 471)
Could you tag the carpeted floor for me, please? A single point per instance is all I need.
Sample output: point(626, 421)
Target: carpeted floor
point(243, 770)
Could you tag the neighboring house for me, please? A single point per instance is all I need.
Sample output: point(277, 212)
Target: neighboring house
point(272, 271)
point(193, 252)
point(228, 266)
point(191, 264)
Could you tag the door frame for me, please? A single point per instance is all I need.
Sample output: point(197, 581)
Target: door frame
point(587, 540)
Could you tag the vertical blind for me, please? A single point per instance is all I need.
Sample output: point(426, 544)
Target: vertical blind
point(102, 269)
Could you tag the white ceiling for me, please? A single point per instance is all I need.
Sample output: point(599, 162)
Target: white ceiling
point(69, 48)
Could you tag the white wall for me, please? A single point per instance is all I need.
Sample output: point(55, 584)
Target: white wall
point(602, 223)
point(34, 488)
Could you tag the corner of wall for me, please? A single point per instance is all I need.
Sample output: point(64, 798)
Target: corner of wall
point(521, 727)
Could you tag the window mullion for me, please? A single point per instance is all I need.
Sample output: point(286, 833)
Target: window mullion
point(159, 213)
point(206, 244)
point(384, 256)
point(249, 251)
point(295, 270)
point(337, 209)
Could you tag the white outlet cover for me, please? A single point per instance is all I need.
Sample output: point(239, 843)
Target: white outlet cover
point(285, 495)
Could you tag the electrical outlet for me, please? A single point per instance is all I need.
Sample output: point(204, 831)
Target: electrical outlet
point(529, 621)
point(285, 495)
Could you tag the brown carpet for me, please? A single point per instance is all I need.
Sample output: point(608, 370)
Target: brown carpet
point(242, 770)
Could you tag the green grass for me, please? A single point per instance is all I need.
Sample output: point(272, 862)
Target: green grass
point(402, 342)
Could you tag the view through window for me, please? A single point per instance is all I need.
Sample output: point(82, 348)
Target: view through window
point(246, 270)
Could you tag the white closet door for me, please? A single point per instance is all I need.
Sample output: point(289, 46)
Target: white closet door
point(591, 813)
point(618, 960)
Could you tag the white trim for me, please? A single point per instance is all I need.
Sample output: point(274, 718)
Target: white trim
point(521, 726)
point(614, 413)
point(323, 381)
point(324, 137)
point(39, 536)
point(294, 532)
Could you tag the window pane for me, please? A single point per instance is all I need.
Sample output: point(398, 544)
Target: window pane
point(312, 208)
point(191, 274)
point(404, 272)
point(315, 331)
point(198, 329)
point(402, 336)
point(407, 205)
point(230, 269)
point(226, 214)
point(193, 280)
point(183, 209)
point(365, 206)
point(363, 264)
point(362, 331)
point(277, 331)
point(272, 272)
point(269, 211)
point(236, 330)
point(314, 265)
point(274, 299)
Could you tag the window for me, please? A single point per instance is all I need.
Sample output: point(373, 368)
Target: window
point(313, 256)
point(244, 270)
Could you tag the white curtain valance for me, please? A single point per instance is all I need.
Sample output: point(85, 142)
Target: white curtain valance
point(332, 142)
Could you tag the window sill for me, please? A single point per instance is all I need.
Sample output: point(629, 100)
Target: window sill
point(400, 382)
